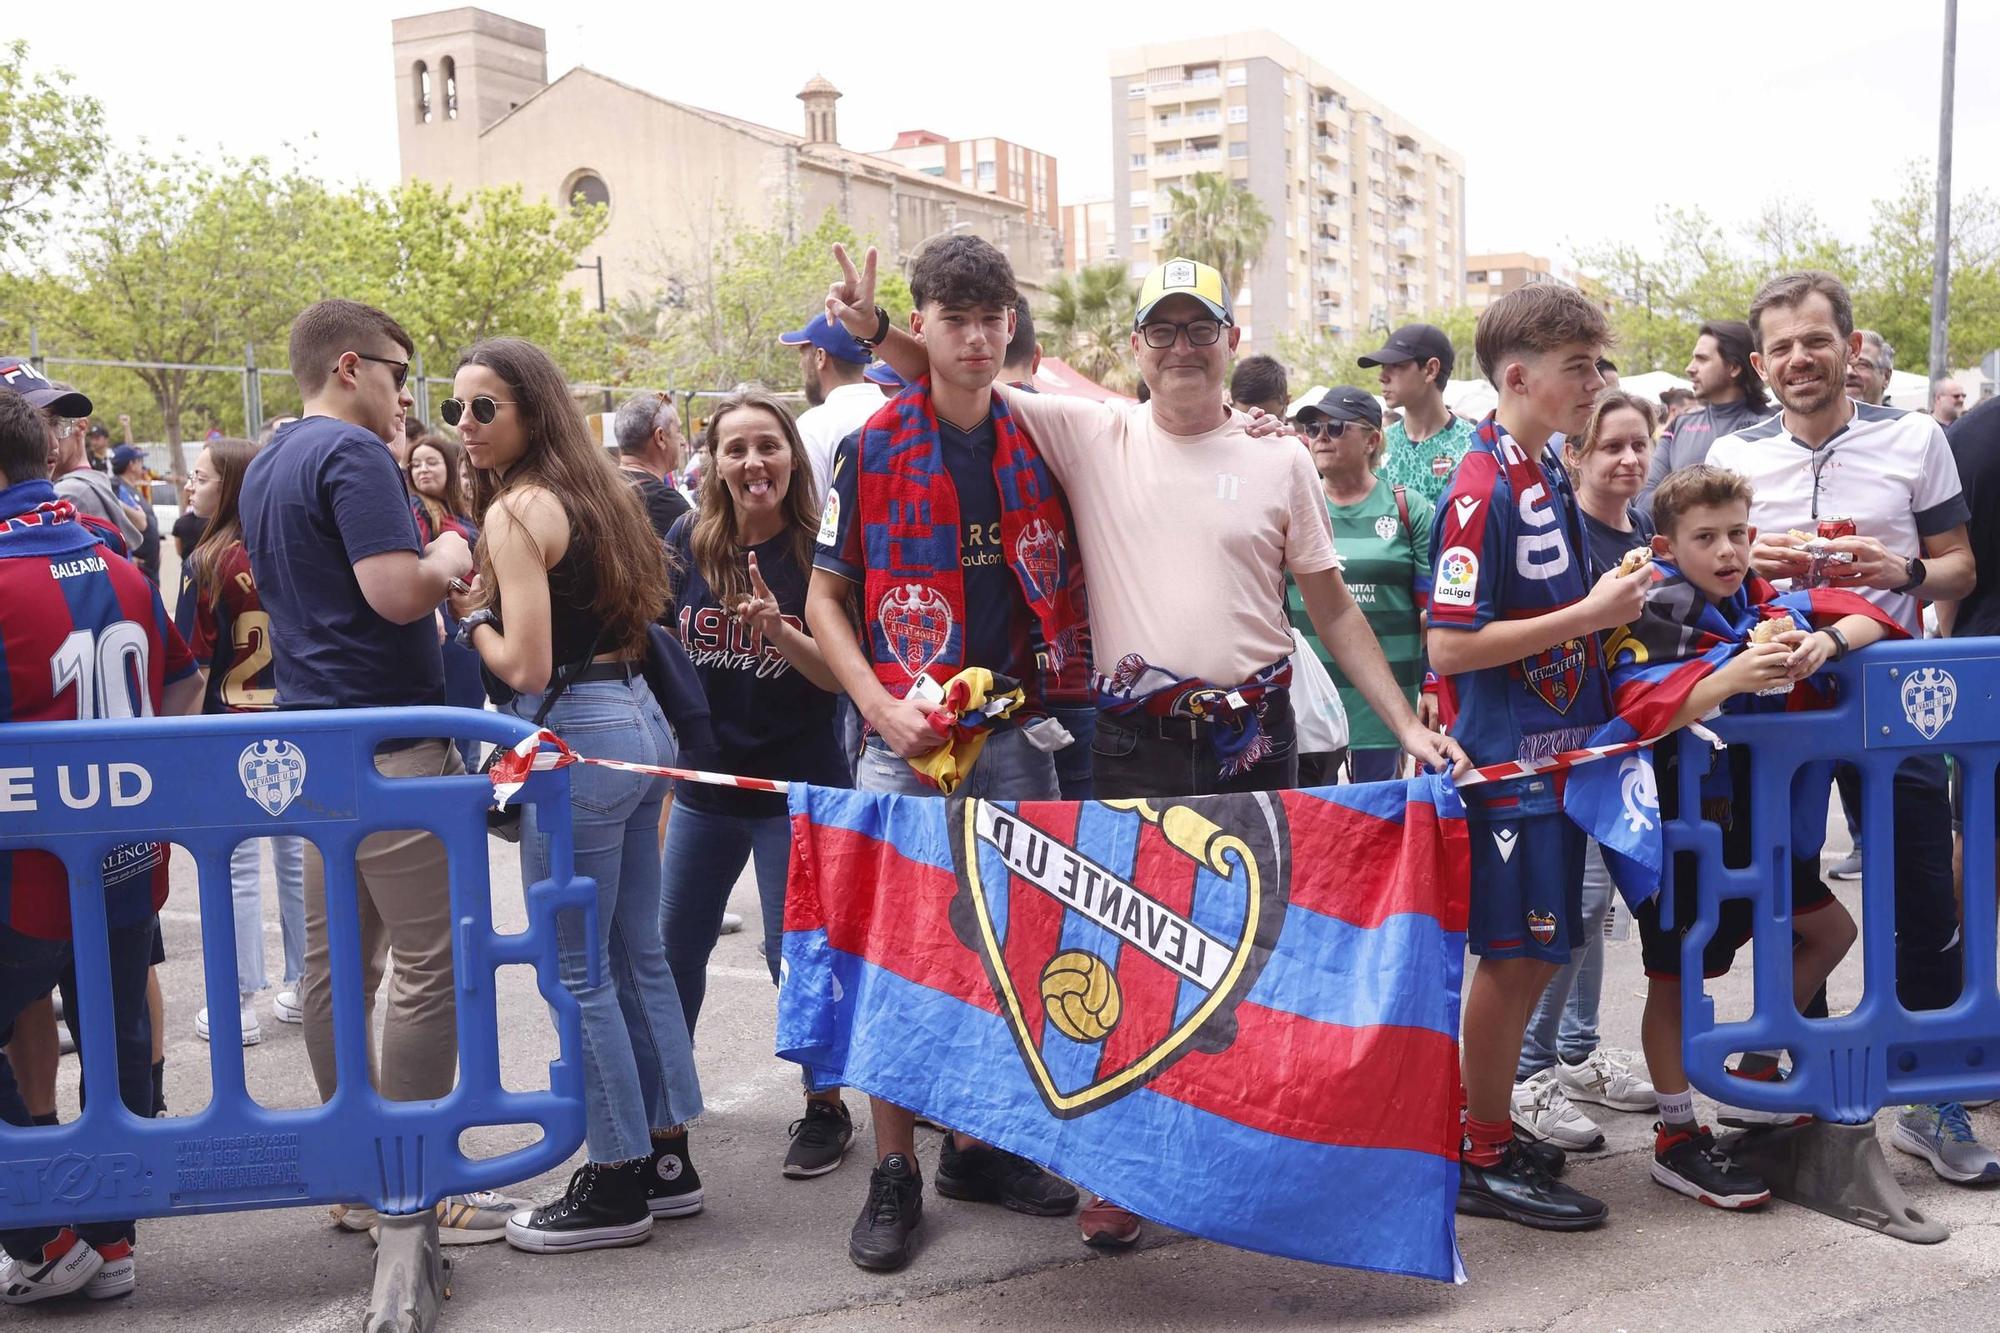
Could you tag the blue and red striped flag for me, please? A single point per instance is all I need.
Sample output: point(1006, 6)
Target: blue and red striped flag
point(1236, 1015)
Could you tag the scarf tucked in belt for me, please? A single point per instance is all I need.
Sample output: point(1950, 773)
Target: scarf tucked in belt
point(1236, 712)
point(913, 594)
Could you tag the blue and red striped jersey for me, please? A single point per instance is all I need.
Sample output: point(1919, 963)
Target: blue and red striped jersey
point(231, 637)
point(83, 634)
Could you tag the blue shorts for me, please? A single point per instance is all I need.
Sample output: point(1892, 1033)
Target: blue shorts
point(1527, 874)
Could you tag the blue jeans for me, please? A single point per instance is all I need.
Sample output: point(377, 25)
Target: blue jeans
point(1565, 1018)
point(1008, 769)
point(31, 968)
point(246, 891)
point(705, 852)
point(1074, 762)
point(638, 1065)
point(463, 688)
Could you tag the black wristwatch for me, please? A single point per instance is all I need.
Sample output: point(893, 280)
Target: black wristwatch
point(1841, 647)
point(881, 330)
point(1913, 576)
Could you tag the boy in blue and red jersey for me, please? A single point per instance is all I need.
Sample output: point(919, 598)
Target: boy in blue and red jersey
point(82, 635)
point(1514, 624)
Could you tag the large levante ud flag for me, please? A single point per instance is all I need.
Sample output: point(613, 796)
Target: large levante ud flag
point(1236, 1015)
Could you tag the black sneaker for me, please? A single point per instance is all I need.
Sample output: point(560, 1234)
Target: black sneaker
point(819, 1139)
point(1688, 1161)
point(993, 1175)
point(1519, 1190)
point(604, 1207)
point(1545, 1155)
point(881, 1235)
point(673, 1186)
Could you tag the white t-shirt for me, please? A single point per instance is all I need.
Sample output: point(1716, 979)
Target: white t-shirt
point(1185, 539)
point(846, 410)
point(1889, 470)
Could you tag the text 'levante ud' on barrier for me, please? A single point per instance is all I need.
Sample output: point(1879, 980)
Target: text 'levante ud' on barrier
point(79, 790)
point(1902, 709)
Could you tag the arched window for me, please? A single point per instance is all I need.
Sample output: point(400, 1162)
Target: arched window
point(450, 88)
point(422, 80)
point(586, 188)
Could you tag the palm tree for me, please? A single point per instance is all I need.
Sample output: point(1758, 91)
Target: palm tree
point(1089, 321)
point(1218, 222)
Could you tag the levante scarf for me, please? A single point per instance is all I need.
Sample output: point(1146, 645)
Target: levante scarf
point(1235, 712)
point(914, 588)
point(34, 522)
point(1679, 640)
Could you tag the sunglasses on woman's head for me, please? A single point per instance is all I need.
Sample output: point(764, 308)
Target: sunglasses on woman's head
point(484, 409)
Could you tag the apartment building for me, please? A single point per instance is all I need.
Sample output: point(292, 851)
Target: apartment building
point(1367, 209)
point(990, 166)
point(1090, 233)
point(1490, 277)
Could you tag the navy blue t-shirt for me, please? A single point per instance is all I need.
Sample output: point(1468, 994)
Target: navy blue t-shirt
point(1001, 633)
point(1607, 545)
point(322, 495)
point(769, 720)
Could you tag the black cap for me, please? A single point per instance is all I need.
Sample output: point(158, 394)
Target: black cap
point(1415, 342)
point(1346, 403)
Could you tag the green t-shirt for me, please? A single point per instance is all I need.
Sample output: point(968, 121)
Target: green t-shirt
point(1423, 469)
point(1383, 563)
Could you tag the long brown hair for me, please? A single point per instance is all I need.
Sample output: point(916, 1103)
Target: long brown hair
point(453, 504)
point(716, 543)
point(225, 525)
point(609, 532)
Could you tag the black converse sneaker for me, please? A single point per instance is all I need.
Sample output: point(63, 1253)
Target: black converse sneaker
point(819, 1139)
point(673, 1186)
point(881, 1236)
point(1688, 1162)
point(604, 1207)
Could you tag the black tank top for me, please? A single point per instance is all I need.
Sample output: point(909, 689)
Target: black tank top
point(574, 628)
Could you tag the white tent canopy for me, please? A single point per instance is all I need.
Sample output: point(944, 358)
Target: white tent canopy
point(1652, 383)
point(1471, 399)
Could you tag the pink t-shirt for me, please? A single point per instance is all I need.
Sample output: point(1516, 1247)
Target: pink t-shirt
point(1186, 538)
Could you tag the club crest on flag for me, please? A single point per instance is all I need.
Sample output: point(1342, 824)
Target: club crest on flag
point(1038, 553)
point(1110, 965)
point(917, 622)
point(273, 774)
point(1556, 674)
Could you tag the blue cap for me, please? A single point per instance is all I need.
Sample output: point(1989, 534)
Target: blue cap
point(125, 455)
point(830, 338)
point(884, 374)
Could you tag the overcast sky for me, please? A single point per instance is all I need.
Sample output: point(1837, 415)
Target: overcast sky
point(1577, 121)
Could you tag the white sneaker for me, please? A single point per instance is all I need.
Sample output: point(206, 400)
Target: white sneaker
point(118, 1277)
point(285, 1006)
point(1606, 1078)
point(1542, 1112)
point(731, 923)
point(252, 1034)
point(64, 1265)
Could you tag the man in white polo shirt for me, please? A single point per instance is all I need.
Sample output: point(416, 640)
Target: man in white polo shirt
point(1891, 472)
point(839, 399)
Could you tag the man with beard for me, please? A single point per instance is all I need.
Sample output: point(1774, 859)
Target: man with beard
point(1731, 398)
point(1892, 473)
point(841, 399)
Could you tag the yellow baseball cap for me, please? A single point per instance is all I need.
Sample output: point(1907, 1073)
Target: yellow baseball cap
point(1184, 277)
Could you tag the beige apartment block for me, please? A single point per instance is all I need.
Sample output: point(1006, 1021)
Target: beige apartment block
point(475, 107)
point(1090, 234)
point(990, 166)
point(1490, 277)
point(1367, 209)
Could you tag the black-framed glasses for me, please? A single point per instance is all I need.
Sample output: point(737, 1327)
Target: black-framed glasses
point(1161, 334)
point(1319, 428)
point(401, 368)
point(484, 409)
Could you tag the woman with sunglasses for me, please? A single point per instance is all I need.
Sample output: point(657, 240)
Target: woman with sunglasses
point(740, 568)
point(569, 581)
point(1383, 534)
point(437, 501)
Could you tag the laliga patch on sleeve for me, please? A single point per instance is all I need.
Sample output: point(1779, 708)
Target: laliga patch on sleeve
point(829, 520)
point(1457, 578)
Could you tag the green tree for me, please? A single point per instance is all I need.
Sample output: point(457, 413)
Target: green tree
point(1087, 321)
point(1893, 287)
point(1310, 360)
point(50, 140)
point(1218, 222)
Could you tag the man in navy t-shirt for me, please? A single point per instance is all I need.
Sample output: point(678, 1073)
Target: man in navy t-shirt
point(351, 596)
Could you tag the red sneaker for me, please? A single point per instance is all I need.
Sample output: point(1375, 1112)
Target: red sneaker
point(1106, 1226)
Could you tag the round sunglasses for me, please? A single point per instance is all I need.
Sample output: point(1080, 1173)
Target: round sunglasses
point(484, 409)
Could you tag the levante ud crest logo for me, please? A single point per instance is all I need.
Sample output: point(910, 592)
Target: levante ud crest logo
point(1110, 966)
point(917, 622)
point(273, 774)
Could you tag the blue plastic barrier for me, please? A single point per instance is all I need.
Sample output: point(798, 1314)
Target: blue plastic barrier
point(79, 789)
point(1897, 700)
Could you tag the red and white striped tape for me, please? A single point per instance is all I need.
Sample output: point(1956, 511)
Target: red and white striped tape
point(545, 750)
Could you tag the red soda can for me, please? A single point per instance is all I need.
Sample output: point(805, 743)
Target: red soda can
point(1831, 528)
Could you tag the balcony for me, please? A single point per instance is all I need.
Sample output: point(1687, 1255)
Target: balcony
point(1406, 240)
point(1408, 161)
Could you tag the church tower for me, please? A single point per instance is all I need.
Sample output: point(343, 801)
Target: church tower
point(819, 96)
point(457, 72)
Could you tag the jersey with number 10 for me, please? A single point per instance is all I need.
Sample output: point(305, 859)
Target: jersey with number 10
point(82, 635)
point(1507, 544)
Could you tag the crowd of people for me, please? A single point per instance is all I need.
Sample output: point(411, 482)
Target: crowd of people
point(912, 550)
